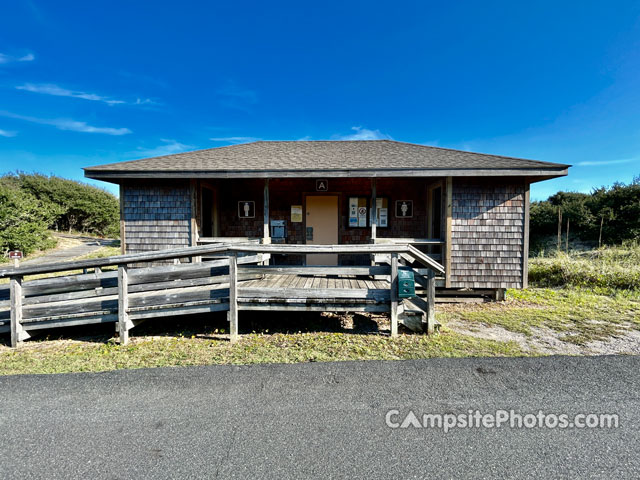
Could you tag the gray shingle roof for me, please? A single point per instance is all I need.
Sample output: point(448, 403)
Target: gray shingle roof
point(320, 156)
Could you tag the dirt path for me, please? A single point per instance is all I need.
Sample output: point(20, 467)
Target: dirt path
point(76, 246)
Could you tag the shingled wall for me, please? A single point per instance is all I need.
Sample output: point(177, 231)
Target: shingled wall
point(487, 234)
point(157, 216)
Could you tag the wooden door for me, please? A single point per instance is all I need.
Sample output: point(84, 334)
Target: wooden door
point(322, 227)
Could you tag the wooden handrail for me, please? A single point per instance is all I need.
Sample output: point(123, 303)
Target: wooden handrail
point(209, 240)
point(409, 241)
point(297, 249)
point(303, 249)
point(425, 259)
point(113, 260)
point(188, 283)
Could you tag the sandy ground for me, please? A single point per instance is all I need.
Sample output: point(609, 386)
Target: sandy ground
point(548, 342)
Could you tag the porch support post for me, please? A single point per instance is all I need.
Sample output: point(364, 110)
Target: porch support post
point(193, 190)
point(374, 210)
point(525, 239)
point(431, 301)
point(394, 294)
point(266, 234)
point(123, 304)
point(448, 228)
point(17, 331)
point(233, 297)
point(123, 244)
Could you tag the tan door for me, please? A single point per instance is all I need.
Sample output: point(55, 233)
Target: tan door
point(322, 227)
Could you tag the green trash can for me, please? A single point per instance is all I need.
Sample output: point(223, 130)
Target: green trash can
point(406, 284)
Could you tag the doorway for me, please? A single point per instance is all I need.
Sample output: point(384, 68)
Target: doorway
point(322, 227)
point(209, 225)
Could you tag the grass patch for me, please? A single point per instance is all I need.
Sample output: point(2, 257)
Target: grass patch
point(64, 356)
point(608, 269)
point(580, 315)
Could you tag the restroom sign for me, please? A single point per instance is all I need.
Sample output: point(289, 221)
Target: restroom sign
point(404, 208)
point(322, 185)
point(247, 209)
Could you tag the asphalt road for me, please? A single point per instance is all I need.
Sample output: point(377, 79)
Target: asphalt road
point(320, 420)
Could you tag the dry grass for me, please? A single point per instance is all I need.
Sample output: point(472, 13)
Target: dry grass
point(609, 269)
point(203, 342)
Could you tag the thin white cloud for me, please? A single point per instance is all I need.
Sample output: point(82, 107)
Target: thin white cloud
point(4, 58)
point(51, 89)
point(144, 101)
point(595, 163)
point(56, 90)
point(168, 147)
point(67, 124)
point(363, 134)
point(7, 133)
point(235, 139)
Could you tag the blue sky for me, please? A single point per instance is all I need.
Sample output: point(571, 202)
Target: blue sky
point(84, 83)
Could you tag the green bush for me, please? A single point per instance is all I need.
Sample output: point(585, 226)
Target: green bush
point(76, 206)
point(30, 205)
point(613, 212)
point(23, 221)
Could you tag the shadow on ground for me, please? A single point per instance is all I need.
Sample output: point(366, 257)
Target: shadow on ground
point(215, 326)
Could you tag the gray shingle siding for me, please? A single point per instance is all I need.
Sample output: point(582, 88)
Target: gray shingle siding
point(156, 216)
point(487, 235)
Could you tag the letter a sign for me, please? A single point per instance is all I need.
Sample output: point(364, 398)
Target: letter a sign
point(322, 186)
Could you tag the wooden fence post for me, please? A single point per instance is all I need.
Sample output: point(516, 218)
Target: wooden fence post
point(394, 294)
point(123, 304)
point(17, 332)
point(431, 301)
point(233, 297)
point(559, 228)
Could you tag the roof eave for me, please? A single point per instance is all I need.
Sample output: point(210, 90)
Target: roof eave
point(112, 175)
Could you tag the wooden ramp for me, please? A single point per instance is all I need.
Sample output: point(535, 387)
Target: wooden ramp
point(235, 279)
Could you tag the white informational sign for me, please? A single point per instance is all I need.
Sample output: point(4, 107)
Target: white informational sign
point(383, 217)
point(362, 216)
point(382, 213)
point(353, 212)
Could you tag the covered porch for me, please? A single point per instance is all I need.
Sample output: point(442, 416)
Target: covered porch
point(349, 211)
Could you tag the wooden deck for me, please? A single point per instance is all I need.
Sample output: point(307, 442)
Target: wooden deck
point(315, 282)
point(238, 279)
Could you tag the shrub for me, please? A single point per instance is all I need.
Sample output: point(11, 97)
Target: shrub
point(23, 223)
point(32, 204)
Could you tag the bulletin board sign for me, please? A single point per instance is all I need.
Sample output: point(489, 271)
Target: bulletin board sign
point(296, 213)
point(382, 211)
point(246, 209)
point(358, 211)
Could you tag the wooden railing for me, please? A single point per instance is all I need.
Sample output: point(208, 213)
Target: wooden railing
point(128, 295)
